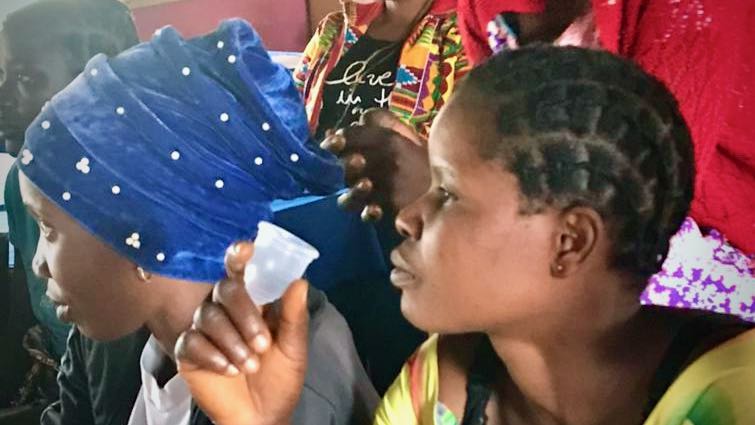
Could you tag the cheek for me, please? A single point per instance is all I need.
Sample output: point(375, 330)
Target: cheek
point(107, 301)
point(478, 274)
point(450, 262)
point(30, 103)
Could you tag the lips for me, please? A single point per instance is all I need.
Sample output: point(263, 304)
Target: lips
point(62, 311)
point(62, 307)
point(402, 275)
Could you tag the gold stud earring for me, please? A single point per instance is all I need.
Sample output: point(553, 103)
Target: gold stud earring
point(143, 275)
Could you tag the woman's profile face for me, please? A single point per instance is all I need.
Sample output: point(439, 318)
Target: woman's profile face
point(31, 73)
point(89, 283)
point(472, 262)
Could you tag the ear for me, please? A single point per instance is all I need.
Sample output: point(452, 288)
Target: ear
point(579, 230)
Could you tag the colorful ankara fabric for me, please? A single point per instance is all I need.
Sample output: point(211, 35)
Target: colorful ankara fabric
point(431, 63)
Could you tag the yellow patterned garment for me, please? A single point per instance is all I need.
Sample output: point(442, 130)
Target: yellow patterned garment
point(431, 63)
point(716, 389)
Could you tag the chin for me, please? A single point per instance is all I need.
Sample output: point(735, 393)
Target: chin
point(13, 147)
point(434, 320)
point(424, 318)
point(104, 333)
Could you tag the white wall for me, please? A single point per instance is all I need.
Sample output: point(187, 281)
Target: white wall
point(7, 6)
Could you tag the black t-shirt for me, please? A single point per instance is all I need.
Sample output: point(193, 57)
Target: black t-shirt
point(361, 80)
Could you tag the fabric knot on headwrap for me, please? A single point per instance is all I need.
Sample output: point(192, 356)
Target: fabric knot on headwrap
point(176, 148)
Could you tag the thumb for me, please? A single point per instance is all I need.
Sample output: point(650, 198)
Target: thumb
point(293, 326)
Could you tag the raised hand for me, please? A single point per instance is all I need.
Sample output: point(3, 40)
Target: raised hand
point(245, 365)
point(385, 161)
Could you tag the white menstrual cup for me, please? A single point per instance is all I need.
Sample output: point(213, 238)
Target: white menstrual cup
point(279, 259)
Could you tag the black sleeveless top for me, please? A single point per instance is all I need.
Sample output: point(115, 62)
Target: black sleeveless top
point(684, 347)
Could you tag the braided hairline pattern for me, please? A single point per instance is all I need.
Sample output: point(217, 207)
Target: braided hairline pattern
point(585, 128)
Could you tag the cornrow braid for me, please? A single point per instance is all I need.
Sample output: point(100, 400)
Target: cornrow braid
point(585, 128)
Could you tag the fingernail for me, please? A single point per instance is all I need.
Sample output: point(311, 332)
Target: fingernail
point(234, 249)
point(358, 162)
point(261, 343)
point(364, 185)
point(251, 365)
point(232, 370)
point(337, 142)
point(372, 213)
point(344, 199)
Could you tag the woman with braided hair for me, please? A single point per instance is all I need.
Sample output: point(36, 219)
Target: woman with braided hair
point(702, 50)
point(558, 177)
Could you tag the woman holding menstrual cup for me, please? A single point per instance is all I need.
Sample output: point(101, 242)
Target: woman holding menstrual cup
point(144, 170)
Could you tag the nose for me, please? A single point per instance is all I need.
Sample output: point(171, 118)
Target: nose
point(7, 101)
point(39, 264)
point(409, 221)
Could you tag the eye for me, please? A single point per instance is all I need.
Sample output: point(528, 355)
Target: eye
point(46, 230)
point(445, 196)
point(24, 79)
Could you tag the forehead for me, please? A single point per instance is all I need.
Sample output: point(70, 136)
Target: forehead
point(20, 43)
point(459, 130)
point(31, 196)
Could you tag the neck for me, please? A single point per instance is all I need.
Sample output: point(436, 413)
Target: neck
point(397, 18)
point(559, 376)
point(175, 314)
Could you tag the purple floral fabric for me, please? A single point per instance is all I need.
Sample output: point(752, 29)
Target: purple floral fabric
point(704, 272)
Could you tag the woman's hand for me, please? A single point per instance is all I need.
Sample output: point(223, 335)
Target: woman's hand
point(386, 164)
point(245, 366)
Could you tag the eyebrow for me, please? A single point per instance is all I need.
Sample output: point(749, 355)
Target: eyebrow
point(443, 169)
point(32, 211)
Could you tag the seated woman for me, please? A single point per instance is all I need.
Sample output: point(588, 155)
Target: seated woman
point(702, 50)
point(43, 47)
point(142, 172)
point(558, 177)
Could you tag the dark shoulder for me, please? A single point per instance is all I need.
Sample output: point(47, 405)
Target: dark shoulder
point(709, 331)
point(456, 354)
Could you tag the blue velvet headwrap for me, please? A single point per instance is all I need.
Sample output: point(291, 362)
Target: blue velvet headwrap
point(174, 149)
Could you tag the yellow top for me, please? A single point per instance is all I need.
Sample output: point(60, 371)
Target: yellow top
point(716, 389)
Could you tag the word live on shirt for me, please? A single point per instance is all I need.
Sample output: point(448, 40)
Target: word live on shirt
point(361, 80)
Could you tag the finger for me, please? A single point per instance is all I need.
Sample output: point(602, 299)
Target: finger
point(354, 166)
point(347, 201)
point(211, 320)
point(243, 313)
point(236, 257)
point(334, 143)
point(293, 326)
point(372, 213)
point(357, 196)
point(194, 351)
